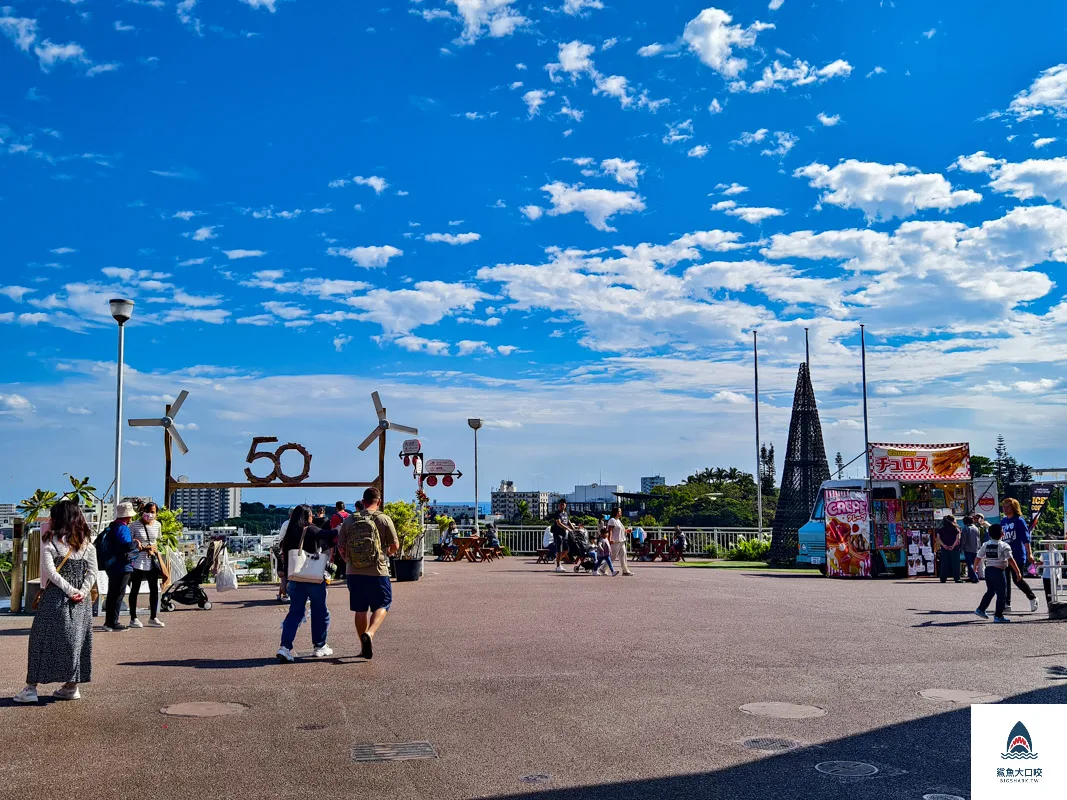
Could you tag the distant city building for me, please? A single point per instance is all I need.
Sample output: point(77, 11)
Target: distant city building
point(7, 514)
point(457, 511)
point(594, 498)
point(648, 483)
point(202, 508)
point(505, 502)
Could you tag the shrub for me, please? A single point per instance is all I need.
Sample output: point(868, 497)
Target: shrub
point(749, 550)
point(505, 550)
point(712, 550)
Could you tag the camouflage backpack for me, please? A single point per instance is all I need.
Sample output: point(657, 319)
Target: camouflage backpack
point(363, 546)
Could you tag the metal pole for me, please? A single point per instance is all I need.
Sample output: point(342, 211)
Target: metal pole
point(17, 589)
point(759, 483)
point(118, 419)
point(866, 428)
point(807, 352)
point(476, 529)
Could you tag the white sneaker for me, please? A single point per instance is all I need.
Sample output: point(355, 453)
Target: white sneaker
point(136, 623)
point(560, 568)
point(1033, 604)
point(285, 655)
point(27, 695)
point(322, 652)
point(63, 693)
point(1007, 608)
point(155, 623)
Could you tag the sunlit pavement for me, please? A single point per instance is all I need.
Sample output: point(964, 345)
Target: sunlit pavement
point(525, 682)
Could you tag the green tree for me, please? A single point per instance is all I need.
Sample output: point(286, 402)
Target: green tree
point(81, 491)
point(767, 470)
point(406, 521)
point(170, 528)
point(522, 508)
point(982, 467)
point(839, 464)
point(36, 504)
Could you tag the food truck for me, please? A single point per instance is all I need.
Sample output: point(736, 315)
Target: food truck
point(861, 528)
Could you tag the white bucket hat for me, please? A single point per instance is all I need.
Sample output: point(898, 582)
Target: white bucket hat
point(123, 510)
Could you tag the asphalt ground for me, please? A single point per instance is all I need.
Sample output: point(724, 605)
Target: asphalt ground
point(587, 687)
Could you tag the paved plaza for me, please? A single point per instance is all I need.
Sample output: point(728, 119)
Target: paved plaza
point(528, 683)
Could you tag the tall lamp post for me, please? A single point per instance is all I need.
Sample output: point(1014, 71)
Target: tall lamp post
point(475, 425)
point(121, 310)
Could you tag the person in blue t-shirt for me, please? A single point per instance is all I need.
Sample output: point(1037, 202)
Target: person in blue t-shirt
point(1017, 536)
point(118, 564)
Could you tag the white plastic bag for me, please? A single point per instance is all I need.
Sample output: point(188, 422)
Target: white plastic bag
point(226, 576)
point(176, 562)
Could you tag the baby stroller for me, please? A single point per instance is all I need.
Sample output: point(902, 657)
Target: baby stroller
point(187, 590)
point(581, 552)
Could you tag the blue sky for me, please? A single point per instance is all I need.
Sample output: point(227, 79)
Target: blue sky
point(563, 217)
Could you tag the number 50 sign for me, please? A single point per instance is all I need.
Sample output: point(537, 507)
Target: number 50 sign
point(275, 457)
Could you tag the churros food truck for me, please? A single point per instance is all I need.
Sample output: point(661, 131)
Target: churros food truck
point(863, 528)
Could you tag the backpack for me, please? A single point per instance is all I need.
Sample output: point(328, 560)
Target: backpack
point(363, 545)
point(102, 545)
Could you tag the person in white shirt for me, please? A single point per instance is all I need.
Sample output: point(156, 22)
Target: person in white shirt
point(996, 558)
point(617, 534)
point(146, 566)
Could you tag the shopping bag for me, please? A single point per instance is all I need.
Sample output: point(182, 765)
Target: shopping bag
point(176, 562)
point(226, 575)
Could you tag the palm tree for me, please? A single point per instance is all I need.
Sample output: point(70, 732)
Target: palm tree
point(719, 474)
point(733, 475)
point(81, 492)
point(36, 504)
point(522, 508)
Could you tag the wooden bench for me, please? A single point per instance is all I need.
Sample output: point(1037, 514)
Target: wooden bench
point(491, 553)
point(542, 556)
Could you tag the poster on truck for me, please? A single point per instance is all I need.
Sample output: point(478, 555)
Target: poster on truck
point(941, 463)
point(848, 537)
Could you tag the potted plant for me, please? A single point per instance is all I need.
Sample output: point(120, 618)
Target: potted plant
point(408, 562)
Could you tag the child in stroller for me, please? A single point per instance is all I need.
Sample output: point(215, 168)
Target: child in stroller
point(187, 590)
point(583, 554)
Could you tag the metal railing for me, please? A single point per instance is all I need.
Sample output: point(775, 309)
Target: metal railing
point(1053, 555)
point(527, 539)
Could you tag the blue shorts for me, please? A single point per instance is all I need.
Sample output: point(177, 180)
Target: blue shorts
point(369, 593)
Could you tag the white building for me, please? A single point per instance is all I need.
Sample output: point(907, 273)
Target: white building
point(594, 498)
point(505, 502)
point(457, 511)
point(202, 508)
point(648, 483)
point(7, 514)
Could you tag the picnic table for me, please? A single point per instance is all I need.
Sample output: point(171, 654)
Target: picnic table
point(657, 549)
point(467, 547)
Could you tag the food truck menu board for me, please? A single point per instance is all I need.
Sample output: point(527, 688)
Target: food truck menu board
point(848, 541)
point(888, 524)
point(920, 554)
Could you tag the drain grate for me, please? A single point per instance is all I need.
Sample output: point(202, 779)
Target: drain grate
point(397, 751)
point(538, 777)
point(846, 769)
point(767, 744)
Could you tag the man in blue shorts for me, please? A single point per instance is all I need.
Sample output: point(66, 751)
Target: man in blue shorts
point(367, 539)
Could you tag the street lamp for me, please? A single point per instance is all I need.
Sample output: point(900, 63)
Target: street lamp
point(475, 425)
point(121, 310)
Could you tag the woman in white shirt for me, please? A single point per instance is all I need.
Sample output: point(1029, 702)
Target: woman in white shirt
point(145, 532)
point(61, 639)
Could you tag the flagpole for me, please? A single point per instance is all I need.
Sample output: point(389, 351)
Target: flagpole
point(807, 352)
point(759, 482)
point(866, 427)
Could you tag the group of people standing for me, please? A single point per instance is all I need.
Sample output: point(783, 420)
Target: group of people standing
point(610, 548)
point(359, 545)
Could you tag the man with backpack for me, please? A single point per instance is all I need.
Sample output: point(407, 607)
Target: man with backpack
point(367, 539)
point(114, 548)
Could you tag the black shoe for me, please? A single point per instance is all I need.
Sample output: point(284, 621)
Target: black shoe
point(367, 650)
point(118, 626)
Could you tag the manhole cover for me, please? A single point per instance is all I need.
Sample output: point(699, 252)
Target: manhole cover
point(204, 709)
point(846, 769)
point(399, 751)
point(770, 745)
point(539, 777)
point(959, 696)
point(783, 710)
point(942, 797)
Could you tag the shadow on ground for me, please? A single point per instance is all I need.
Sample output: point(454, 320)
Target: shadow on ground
point(930, 755)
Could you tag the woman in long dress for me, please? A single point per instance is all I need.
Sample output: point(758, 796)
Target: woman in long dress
point(61, 639)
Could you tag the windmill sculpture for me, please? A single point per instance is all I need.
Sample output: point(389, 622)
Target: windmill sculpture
point(170, 433)
point(379, 433)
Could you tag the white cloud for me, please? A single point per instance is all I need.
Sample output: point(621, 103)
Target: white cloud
point(15, 293)
point(734, 398)
point(884, 191)
point(715, 107)
point(78, 411)
point(214, 316)
point(699, 151)
point(624, 172)
point(267, 4)
point(286, 311)
point(183, 298)
point(746, 138)
point(495, 18)
point(785, 140)
point(574, 7)
point(98, 69)
point(724, 205)
point(379, 185)
point(323, 288)
point(774, 5)
point(467, 347)
point(598, 205)
point(732, 189)
point(506, 350)
point(21, 30)
point(49, 54)
point(453, 238)
point(400, 311)
point(373, 256)
point(235, 254)
point(532, 212)
point(752, 215)
point(827, 120)
point(801, 73)
point(678, 132)
point(712, 38)
point(192, 262)
point(203, 234)
point(534, 99)
point(119, 26)
point(573, 59)
point(1044, 141)
point(1047, 94)
point(1033, 178)
point(876, 71)
point(340, 341)
point(930, 33)
point(184, 215)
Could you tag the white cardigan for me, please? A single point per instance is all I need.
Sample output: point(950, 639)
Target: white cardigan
point(52, 555)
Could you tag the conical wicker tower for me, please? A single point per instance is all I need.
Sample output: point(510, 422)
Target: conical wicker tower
point(804, 470)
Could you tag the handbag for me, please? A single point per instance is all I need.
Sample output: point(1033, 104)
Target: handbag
point(225, 575)
point(305, 567)
point(40, 592)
